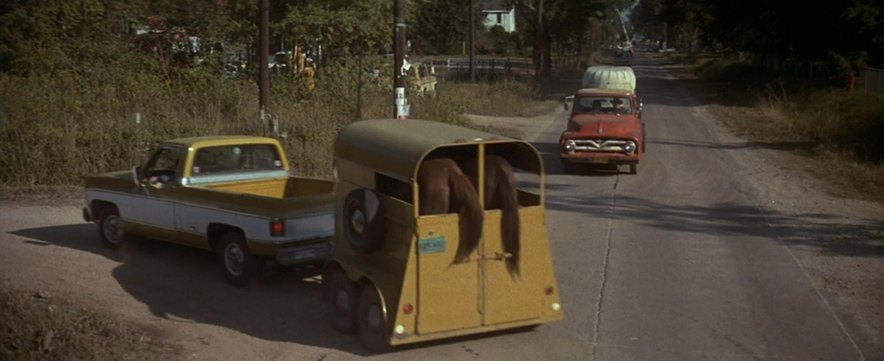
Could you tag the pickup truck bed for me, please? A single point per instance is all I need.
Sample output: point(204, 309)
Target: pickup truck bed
point(276, 188)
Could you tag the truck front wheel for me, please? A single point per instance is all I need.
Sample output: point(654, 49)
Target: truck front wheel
point(110, 228)
point(568, 167)
point(238, 264)
point(633, 168)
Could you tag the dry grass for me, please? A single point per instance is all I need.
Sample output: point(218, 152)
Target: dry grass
point(837, 133)
point(55, 131)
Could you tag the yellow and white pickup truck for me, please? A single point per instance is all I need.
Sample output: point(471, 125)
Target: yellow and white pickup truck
point(233, 195)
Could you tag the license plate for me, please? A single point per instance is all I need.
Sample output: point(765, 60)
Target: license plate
point(431, 245)
point(600, 160)
point(307, 253)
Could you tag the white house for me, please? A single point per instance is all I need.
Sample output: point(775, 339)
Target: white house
point(497, 13)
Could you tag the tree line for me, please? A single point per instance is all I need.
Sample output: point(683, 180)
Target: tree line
point(849, 33)
point(93, 36)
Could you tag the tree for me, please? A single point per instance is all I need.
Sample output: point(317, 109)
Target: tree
point(773, 28)
point(343, 27)
point(62, 36)
point(556, 19)
point(439, 26)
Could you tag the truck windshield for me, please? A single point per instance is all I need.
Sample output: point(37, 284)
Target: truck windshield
point(236, 158)
point(602, 104)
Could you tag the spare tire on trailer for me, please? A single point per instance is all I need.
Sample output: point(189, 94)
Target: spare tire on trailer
point(363, 221)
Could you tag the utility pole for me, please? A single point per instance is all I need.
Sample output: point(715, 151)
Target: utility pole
point(401, 103)
point(472, 45)
point(623, 26)
point(263, 72)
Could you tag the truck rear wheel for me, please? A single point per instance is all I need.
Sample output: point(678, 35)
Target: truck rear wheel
point(372, 321)
point(342, 297)
point(110, 228)
point(238, 265)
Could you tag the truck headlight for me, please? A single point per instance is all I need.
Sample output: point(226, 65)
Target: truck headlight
point(570, 145)
point(629, 147)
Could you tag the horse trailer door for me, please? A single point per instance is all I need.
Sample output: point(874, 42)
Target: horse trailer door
point(448, 292)
point(511, 296)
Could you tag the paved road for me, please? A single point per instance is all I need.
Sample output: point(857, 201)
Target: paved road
point(679, 262)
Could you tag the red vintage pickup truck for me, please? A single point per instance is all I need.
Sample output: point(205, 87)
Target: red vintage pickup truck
point(605, 125)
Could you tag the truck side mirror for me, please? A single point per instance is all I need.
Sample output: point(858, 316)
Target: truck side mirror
point(567, 102)
point(137, 175)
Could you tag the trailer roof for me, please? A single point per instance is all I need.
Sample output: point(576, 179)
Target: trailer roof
point(396, 147)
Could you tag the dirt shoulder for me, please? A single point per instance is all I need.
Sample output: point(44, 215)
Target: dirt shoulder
point(39, 325)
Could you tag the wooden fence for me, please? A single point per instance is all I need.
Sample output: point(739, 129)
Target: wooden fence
point(484, 66)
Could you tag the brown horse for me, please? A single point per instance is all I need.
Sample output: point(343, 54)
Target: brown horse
point(444, 189)
point(501, 192)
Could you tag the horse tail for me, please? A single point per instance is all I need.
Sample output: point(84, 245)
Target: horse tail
point(508, 195)
point(470, 213)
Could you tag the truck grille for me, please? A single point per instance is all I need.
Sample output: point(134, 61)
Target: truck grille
point(600, 145)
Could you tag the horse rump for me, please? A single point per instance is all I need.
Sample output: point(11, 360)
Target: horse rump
point(444, 189)
point(501, 192)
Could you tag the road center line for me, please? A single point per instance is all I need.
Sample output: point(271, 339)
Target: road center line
point(604, 274)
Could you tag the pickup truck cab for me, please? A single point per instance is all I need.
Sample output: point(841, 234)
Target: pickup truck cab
point(605, 125)
point(233, 195)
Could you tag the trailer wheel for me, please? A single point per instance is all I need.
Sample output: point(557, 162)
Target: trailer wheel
point(372, 321)
point(110, 228)
point(363, 221)
point(342, 297)
point(239, 266)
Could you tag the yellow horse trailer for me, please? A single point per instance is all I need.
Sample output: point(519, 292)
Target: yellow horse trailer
point(392, 279)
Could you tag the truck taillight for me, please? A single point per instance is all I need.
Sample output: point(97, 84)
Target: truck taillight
point(277, 228)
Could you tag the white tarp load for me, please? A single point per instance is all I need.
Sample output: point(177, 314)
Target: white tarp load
point(609, 77)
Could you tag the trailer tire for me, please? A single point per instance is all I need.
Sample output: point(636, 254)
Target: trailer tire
point(342, 297)
point(363, 221)
point(372, 320)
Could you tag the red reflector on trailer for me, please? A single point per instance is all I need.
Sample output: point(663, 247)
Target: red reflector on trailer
point(408, 308)
point(277, 228)
point(548, 290)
